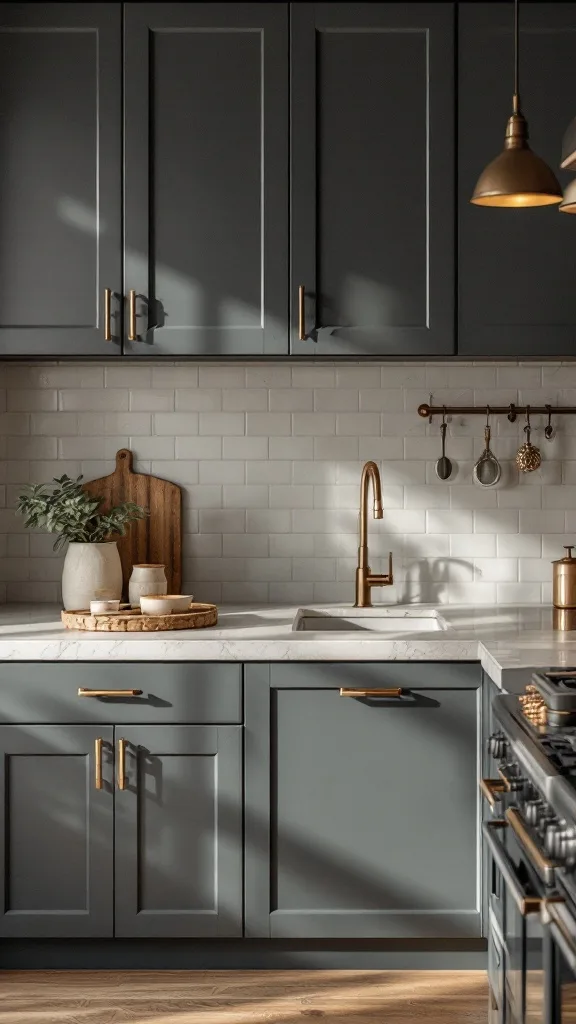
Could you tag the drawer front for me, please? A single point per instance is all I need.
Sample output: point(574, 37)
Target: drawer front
point(186, 693)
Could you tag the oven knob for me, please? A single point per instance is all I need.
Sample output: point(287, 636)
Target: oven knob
point(568, 847)
point(515, 783)
point(552, 838)
point(497, 745)
point(533, 811)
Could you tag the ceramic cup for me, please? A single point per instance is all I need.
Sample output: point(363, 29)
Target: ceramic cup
point(181, 602)
point(156, 604)
point(102, 607)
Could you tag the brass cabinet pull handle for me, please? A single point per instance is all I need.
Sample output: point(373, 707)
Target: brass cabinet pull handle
point(83, 692)
point(540, 862)
point(395, 692)
point(302, 314)
point(132, 335)
point(504, 863)
point(122, 764)
point(107, 315)
point(98, 763)
point(491, 790)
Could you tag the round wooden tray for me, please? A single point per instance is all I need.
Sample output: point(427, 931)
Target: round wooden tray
point(132, 621)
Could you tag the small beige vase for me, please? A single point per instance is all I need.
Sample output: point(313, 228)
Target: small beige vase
point(146, 579)
point(91, 571)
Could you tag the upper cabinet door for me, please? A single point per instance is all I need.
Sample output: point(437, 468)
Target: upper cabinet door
point(206, 169)
point(517, 268)
point(60, 188)
point(372, 178)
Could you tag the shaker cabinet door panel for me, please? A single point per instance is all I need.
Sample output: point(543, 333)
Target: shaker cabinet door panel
point(56, 832)
point(179, 832)
point(60, 190)
point(361, 815)
point(206, 178)
point(372, 178)
point(517, 267)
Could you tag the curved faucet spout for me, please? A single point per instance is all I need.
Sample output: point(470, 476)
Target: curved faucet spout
point(364, 578)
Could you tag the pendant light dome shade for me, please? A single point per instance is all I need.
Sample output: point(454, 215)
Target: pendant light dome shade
point(568, 204)
point(517, 177)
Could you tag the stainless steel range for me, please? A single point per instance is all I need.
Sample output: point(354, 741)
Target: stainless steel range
point(530, 837)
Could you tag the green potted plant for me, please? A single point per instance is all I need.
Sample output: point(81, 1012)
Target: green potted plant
point(92, 564)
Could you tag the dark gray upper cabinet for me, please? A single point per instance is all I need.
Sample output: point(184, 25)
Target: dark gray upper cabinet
point(178, 840)
point(60, 188)
point(517, 268)
point(350, 832)
point(206, 178)
point(56, 832)
point(372, 127)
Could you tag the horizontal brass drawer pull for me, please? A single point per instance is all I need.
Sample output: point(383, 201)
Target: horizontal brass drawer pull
point(83, 692)
point(491, 789)
point(394, 692)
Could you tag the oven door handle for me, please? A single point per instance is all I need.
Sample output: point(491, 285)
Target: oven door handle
point(492, 790)
point(543, 865)
point(526, 904)
point(553, 916)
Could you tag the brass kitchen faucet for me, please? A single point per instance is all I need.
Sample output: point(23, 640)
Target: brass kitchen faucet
point(365, 579)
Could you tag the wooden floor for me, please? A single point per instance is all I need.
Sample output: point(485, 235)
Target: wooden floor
point(242, 997)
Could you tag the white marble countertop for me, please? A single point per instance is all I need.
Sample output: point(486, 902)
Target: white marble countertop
point(508, 640)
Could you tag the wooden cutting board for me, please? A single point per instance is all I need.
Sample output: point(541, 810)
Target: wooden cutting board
point(158, 538)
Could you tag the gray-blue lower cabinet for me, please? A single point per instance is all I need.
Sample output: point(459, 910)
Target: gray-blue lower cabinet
point(160, 857)
point(361, 817)
point(178, 839)
point(56, 853)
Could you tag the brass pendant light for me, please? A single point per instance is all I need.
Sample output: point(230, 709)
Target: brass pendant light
point(517, 177)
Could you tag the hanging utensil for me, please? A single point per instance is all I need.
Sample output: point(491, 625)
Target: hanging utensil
point(528, 458)
point(487, 470)
point(549, 430)
point(443, 465)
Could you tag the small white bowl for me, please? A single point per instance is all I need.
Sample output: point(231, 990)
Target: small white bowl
point(156, 604)
point(181, 602)
point(101, 607)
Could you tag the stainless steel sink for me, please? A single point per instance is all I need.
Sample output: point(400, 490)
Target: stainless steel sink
point(375, 620)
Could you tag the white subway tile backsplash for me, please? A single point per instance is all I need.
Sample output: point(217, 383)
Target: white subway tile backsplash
point(94, 400)
point(32, 401)
point(245, 495)
point(151, 400)
point(336, 400)
point(291, 400)
point(245, 448)
point(198, 400)
point(269, 458)
point(265, 424)
point(222, 471)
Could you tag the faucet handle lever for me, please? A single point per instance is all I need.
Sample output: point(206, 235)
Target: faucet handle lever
point(382, 579)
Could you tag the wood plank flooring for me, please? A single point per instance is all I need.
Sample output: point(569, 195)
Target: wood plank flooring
point(242, 997)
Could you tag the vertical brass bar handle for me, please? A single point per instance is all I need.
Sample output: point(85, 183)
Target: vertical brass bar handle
point(302, 314)
point(132, 336)
point(122, 764)
point(107, 315)
point(98, 763)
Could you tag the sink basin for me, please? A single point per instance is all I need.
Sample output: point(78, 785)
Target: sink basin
point(375, 620)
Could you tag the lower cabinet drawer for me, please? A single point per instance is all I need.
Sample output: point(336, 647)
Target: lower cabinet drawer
point(166, 693)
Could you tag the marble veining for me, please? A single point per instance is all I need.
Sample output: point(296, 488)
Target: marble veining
point(509, 641)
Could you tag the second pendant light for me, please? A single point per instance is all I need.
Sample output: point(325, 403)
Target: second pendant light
point(517, 177)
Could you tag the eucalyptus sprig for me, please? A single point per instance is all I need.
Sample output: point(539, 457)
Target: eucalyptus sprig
point(65, 508)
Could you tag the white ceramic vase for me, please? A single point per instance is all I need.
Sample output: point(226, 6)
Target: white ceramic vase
point(146, 579)
point(91, 571)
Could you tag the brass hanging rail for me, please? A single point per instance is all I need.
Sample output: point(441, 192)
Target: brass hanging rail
point(512, 411)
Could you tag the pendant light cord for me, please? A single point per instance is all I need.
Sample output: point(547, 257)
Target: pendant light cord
point(516, 104)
